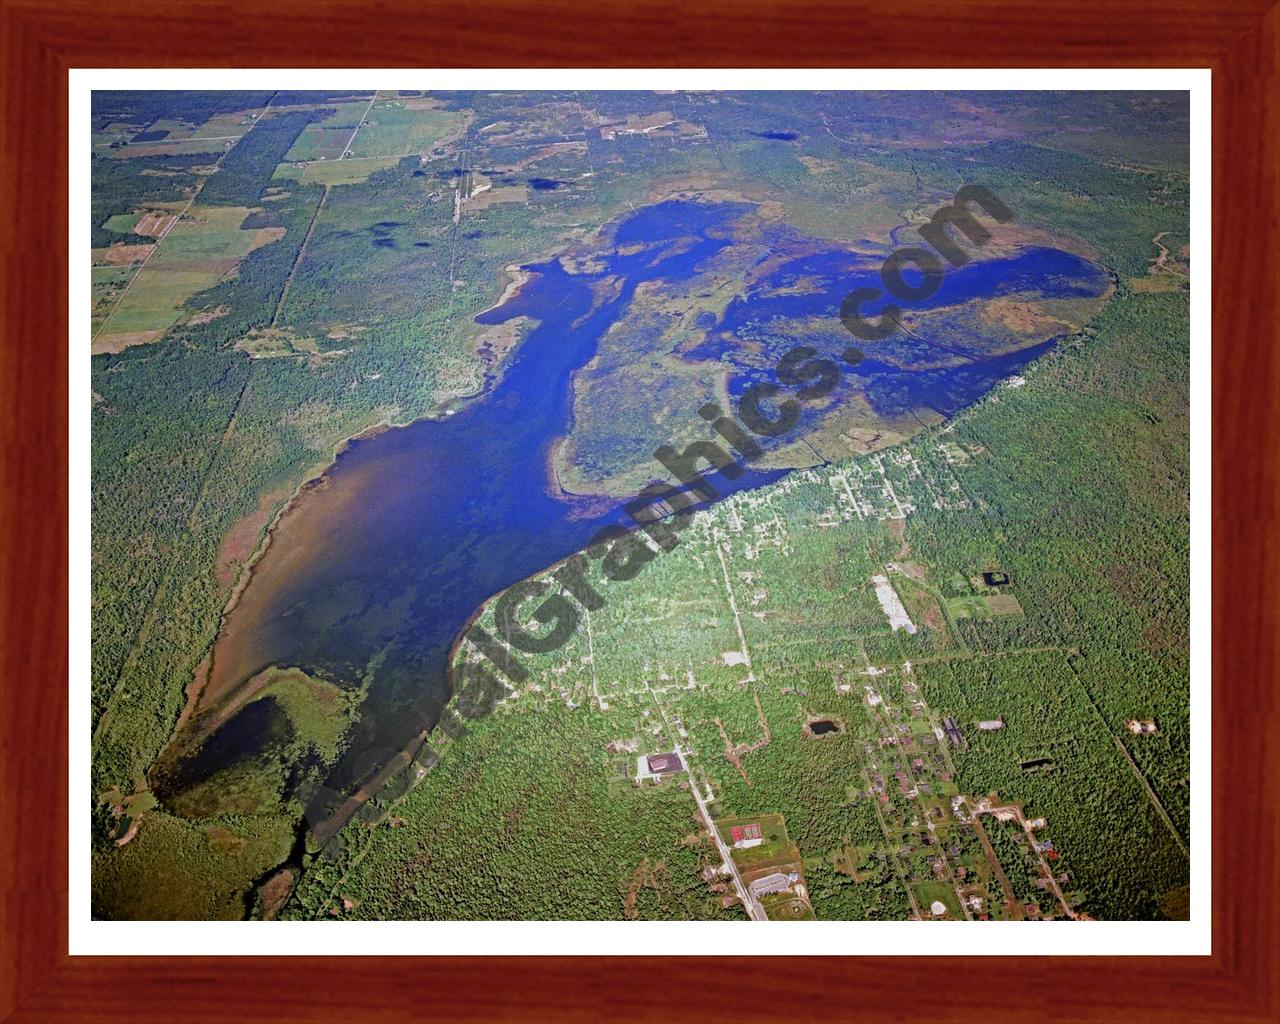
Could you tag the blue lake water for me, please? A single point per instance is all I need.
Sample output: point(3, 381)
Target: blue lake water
point(901, 373)
point(413, 529)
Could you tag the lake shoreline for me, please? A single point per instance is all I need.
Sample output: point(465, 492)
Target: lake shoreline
point(423, 529)
point(312, 478)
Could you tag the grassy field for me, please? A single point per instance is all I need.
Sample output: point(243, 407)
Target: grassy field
point(344, 114)
point(123, 222)
point(226, 125)
point(983, 606)
point(173, 148)
point(775, 848)
point(317, 143)
point(202, 248)
point(928, 893)
point(350, 171)
point(784, 907)
point(395, 128)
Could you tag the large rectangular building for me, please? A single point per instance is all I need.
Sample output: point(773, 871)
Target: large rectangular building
point(665, 764)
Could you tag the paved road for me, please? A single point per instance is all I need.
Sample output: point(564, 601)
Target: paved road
point(752, 906)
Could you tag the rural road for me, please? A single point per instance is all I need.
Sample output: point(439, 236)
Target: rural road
point(754, 910)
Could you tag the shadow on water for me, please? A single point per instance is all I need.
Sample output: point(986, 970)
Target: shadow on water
point(259, 726)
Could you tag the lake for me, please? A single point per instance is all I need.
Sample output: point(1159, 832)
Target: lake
point(375, 570)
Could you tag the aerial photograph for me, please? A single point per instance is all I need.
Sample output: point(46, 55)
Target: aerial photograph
point(625, 505)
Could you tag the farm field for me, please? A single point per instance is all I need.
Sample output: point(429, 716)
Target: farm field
point(204, 246)
point(317, 143)
point(351, 171)
point(401, 127)
point(174, 147)
point(122, 223)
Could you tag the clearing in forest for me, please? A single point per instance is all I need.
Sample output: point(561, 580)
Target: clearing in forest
point(200, 249)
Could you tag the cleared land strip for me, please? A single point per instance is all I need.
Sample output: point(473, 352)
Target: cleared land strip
point(892, 839)
point(297, 261)
point(464, 163)
point(997, 869)
point(733, 606)
point(1151, 793)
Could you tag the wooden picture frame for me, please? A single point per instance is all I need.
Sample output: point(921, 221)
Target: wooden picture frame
point(42, 39)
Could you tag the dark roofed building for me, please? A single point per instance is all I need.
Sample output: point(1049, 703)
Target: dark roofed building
point(665, 764)
point(952, 730)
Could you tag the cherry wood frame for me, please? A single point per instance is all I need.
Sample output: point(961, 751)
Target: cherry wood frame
point(41, 39)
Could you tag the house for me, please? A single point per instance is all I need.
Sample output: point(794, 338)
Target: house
point(952, 730)
point(992, 724)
